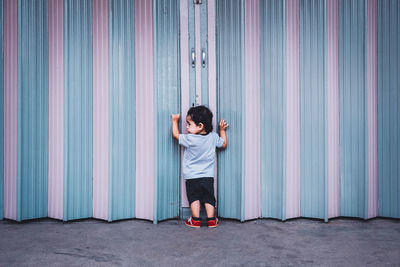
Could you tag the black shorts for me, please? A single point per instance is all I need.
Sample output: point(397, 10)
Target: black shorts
point(200, 189)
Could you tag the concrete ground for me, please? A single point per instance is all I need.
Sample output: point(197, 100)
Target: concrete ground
point(264, 242)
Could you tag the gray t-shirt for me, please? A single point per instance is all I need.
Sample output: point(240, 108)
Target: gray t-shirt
point(199, 155)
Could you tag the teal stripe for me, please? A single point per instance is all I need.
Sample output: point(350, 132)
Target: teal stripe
point(122, 110)
point(192, 47)
point(312, 109)
point(388, 108)
point(273, 108)
point(204, 48)
point(78, 109)
point(1, 111)
point(353, 115)
point(167, 101)
point(230, 99)
point(33, 111)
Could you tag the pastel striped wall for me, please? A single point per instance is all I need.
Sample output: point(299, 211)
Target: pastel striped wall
point(252, 77)
point(292, 182)
point(320, 76)
point(1, 113)
point(101, 109)
point(231, 104)
point(272, 108)
point(167, 101)
point(32, 166)
point(10, 47)
point(122, 111)
point(144, 110)
point(333, 107)
point(353, 108)
point(78, 109)
point(389, 108)
point(56, 110)
point(313, 132)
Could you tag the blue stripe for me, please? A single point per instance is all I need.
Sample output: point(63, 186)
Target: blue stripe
point(167, 101)
point(388, 108)
point(352, 90)
point(33, 111)
point(312, 109)
point(122, 110)
point(1, 111)
point(273, 107)
point(78, 109)
point(192, 47)
point(204, 48)
point(230, 99)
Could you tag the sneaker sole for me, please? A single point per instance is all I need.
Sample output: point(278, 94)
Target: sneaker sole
point(213, 226)
point(192, 226)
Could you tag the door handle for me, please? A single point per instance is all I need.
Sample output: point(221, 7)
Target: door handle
point(203, 58)
point(193, 58)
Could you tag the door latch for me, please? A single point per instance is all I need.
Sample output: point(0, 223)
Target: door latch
point(193, 58)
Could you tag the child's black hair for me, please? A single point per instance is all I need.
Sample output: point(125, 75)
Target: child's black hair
point(201, 114)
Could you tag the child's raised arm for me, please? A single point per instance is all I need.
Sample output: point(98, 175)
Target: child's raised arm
point(222, 127)
point(175, 129)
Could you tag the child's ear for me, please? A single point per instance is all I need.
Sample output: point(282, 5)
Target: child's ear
point(201, 126)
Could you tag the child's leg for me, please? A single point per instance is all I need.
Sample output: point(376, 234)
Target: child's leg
point(195, 208)
point(209, 210)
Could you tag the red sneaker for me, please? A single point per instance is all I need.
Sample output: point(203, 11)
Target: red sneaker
point(192, 223)
point(213, 223)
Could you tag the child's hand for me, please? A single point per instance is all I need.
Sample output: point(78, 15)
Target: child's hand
point(223, 125)
point(175, 117)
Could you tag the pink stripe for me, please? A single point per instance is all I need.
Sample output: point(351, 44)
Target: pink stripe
point(333, 110)
point(56, 109)
point(144, 110)
point(10, 107)
point(293, 111)
point(101, 127)
point(372, 111)
point(212, 74)
point(252, 74)
point(184, 82)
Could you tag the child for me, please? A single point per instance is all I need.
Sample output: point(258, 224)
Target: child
point(198, 160)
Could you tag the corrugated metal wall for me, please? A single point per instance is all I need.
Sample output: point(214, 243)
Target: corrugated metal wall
point(332, 12)
point(167, 99)
point(1, 111)
point(389, 107)
point(78, 109)
point(145, 107)
point(122, 110)
point(372, 109)
point(272, 108)
point(303, 84)
point(291, 204)
point(32, 166)
point(231, 100)
point(56, 109)
point(252, 77)
point(353, 107)
point(313, 97)
point(10, 48)
point(101, 110)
